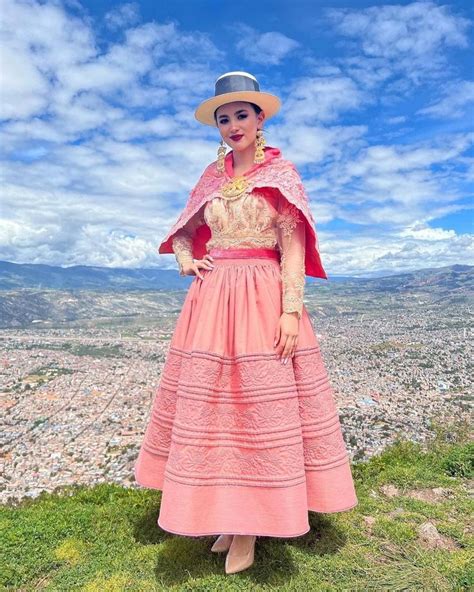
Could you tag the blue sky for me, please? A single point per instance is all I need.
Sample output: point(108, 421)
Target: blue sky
point(100, 148)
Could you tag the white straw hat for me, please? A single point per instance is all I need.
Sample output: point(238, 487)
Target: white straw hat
point(236, 86)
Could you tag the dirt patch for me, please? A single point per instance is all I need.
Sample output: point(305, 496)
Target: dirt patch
point(432, 495)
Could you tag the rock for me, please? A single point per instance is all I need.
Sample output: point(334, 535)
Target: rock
point(369, 521)
point(432, 539)
point(396, 512)
point(469, 486)
point(389, 490)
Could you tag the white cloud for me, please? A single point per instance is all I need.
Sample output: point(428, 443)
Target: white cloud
point(101, 146)
point(417, 29)
point(426, 233)
point(457, 97)
point(409, 39)
point(123, 15)
point(52, 60)
point(308, 145)
point(71, 160)
point(395, 120)
point(417, 254)
point(96, 243)
point(379, 158)
point(24, 88)
point(269, 48)
point(107, 247)
point(37, 42)
point(322, 99)
point(351, 253)
point(379, 186)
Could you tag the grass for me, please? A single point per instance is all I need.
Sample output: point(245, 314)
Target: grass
point(105, 538)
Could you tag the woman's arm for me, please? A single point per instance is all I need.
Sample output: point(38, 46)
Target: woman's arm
point(183, 240)
point(291, 239)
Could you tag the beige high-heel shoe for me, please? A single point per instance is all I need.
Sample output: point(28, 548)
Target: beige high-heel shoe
point(222, 543)
point(236, 561)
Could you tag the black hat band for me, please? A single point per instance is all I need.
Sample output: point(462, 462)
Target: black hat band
point(235, 83)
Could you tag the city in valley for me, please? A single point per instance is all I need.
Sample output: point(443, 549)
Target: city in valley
point(79, 370)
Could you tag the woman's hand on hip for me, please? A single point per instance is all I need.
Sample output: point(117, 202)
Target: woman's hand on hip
point(193, 267)
point(286, 335)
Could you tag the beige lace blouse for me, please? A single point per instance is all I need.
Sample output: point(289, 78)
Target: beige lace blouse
point(259, 219)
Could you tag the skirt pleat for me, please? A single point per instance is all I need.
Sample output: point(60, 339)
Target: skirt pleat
point(238, 442)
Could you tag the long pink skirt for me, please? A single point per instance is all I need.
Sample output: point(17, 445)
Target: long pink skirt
point(238, 442)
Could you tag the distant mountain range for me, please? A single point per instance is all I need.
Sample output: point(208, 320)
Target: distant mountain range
point(44, 296)
point(15, 276)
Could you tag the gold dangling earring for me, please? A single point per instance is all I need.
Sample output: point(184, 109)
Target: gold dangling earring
point(259, 144)
point(221, 156)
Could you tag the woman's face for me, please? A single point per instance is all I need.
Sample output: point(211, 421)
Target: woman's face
point(238, 119)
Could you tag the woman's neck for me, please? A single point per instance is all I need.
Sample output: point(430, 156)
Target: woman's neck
point(243, 160)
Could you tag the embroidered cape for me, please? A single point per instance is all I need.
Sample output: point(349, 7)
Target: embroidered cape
point(275, 172)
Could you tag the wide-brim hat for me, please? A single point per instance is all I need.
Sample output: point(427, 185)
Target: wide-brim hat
point(236, 86)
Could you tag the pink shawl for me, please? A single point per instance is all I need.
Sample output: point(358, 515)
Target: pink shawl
point(275, 172)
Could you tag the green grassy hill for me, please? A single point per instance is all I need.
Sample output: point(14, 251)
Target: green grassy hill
point(410, 531)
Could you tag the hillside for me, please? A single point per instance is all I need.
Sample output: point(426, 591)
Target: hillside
point(408, 532)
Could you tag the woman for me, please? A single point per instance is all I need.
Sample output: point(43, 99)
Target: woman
point(244, 436)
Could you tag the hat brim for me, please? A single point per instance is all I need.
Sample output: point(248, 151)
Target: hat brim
point(266, 101)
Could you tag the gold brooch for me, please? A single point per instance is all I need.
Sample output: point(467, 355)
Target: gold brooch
point(234, 188)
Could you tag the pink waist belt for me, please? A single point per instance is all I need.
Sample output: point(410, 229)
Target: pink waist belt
point(244, 253)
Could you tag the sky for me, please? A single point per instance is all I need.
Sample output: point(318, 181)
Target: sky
point(99, 147)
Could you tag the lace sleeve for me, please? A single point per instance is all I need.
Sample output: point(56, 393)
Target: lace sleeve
point(183, 240)
point(291, 239)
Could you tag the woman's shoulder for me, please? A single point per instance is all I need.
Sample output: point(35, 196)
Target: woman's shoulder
point(278, 159)
point(284, 169)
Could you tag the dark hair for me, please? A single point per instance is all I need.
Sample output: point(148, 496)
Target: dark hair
point(257, 109)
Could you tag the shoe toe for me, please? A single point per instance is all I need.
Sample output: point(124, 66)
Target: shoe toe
point(222, 543)
point(235, 563)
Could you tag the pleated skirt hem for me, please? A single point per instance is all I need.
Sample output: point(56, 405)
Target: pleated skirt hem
point(229, 509)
